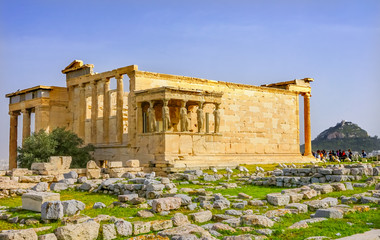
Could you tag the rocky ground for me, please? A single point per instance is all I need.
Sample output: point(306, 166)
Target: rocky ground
point(199, 204)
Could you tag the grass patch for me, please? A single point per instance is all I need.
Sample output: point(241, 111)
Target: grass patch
point(12, 202)
point(88, 198)
point(252, 190)
point(330, 227)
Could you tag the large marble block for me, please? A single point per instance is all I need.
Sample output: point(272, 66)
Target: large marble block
point(33, 200)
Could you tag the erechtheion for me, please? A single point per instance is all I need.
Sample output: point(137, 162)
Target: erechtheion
point(168, 122)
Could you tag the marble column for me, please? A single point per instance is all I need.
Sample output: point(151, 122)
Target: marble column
point(119, 108)
point(216, 118)
point(94, 111)
point(207, 123)
point(306, 100)
point(25, 124)
point(82, 111)
point(13, 140)
point(106, 110)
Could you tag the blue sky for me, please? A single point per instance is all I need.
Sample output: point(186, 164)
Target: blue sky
point(336, 42)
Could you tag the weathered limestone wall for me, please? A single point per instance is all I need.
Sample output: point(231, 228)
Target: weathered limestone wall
point(59, 114)
point(257, 123)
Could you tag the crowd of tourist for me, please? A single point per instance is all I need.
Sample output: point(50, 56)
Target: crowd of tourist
point(338, 155)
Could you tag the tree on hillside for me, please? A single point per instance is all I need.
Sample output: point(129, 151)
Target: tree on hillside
point(60, 142)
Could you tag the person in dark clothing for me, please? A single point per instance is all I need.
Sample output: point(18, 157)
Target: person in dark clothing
point(349, 154)
point(364, 154)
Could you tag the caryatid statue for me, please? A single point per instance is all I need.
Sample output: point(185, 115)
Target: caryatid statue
point(183, 117)
point(165, 116)
point(200, 117)
point(216, 118)
point(151, 117)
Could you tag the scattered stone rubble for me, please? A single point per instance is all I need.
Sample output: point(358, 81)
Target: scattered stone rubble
point(295, 177)
point(59, 176)
point(157, 196)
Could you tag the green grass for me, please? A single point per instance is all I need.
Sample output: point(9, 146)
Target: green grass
point(88, 198)
point(252, 190)
point(328, 228)
point(10, 202)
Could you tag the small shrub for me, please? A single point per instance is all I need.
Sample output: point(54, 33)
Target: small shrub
point(60, 142)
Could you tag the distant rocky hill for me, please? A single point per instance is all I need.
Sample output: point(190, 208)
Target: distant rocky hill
point(343, 136)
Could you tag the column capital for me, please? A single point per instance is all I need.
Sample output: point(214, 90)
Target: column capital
point(306, 95)
point(25, 110)
point(201, 104)
point(119, 77)
point(14, 113)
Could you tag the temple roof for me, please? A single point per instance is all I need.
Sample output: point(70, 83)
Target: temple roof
point(76, 65)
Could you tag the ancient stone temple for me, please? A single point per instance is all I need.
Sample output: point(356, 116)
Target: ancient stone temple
point(168, 122)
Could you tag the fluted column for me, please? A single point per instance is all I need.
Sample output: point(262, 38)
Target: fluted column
point(306, 102)
point(25, 124)
point(82, 111)
point(119, 108)
point(106, 110)
point(94, 111)
point(13, 140)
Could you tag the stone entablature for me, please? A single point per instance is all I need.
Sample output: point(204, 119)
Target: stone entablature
point(170, 122)
point(29, 94)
